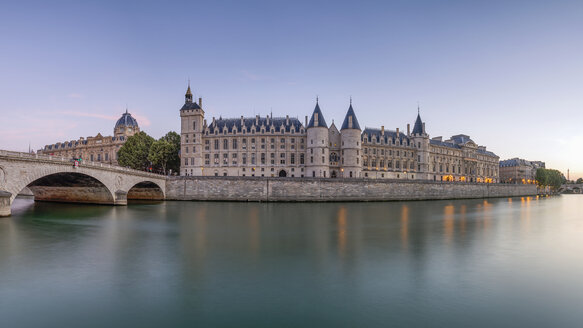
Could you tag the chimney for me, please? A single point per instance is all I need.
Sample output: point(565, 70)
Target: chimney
point(200, 102)
point(306, 120)
point(397, 132)
point(287, 120)
point(257, 120)
point(267, 120)
point(382, 130)
point(408, 130)
point(242, 122)
point(213, 120)
point(205, 122)
point(423, 127)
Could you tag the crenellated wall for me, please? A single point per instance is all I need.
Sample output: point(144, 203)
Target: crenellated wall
point(309, 189)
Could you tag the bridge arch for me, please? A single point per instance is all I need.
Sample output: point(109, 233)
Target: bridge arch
point(72, 187)
point(145, 190)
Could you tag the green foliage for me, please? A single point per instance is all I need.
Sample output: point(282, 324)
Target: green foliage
point(160, 154)
point(580, 180)
point(134, 152)
point(550, 177)
point(173, 162)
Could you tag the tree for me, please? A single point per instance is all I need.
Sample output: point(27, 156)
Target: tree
point(550, 177)
point(161, 154)
point(579, 181)
point(134, 152)
point(173, 162)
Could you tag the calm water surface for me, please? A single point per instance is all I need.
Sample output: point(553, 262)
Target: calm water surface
point(469, 263)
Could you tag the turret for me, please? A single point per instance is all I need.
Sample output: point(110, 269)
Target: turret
point(421, 140)
point(192, 125)
point(350, 132)
point(317, 151)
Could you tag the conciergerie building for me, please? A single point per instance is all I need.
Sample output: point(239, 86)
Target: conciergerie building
point(284, 147)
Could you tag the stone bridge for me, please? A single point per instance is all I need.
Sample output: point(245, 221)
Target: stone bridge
point(571, 188)
point(53, 178)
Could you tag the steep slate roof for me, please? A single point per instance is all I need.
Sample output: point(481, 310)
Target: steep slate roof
point(461, 139)
point(514, 162)
point(321, 120)
point(389, 135)
point(248, 122)
point(418, 127)
point(457, 145)
point(355, 124)
point(190, 105)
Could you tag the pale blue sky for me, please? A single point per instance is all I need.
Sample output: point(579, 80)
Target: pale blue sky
point(508, 73)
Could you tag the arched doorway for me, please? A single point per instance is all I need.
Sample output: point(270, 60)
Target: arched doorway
point(282, 174)
point(333, 175)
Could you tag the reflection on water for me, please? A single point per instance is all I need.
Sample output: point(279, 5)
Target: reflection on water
point(496, 262)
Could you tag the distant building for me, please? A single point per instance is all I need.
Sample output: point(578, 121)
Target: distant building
point(284, 147)
point(517, 170)
point(99, 148)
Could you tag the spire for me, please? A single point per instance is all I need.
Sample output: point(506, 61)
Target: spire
point(317, 119)
point(418, 127)
point(188, 95)
point(350, 121)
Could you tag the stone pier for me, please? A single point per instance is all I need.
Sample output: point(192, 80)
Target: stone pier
point(5, 203)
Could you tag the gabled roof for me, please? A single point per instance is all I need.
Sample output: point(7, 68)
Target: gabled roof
point(377, 135)
point(321, 120)
point(418, 127)
point(345, 124)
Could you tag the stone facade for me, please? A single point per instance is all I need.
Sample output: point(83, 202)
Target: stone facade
point(102, 149)
point(517, 170)
point(283, 147)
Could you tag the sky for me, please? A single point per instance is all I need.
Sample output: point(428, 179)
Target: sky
point(507, 73)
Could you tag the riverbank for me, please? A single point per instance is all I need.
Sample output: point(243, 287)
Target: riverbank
point(262, 189)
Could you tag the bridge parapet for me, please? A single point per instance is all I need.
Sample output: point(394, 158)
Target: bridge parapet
point(61, 160)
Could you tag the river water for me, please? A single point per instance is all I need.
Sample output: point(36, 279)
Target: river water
point(468, 263)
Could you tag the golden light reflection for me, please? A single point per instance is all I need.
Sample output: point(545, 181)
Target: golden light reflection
point(487, 208)
point(448, 222)
point(341, 222)
point(404, 226)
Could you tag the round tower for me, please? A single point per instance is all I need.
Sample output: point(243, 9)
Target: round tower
point(351, 145)
point(318, 149)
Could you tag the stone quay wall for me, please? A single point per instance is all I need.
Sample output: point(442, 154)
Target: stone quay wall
point(328, 190)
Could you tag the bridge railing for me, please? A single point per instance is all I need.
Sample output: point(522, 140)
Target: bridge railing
point(62, 159)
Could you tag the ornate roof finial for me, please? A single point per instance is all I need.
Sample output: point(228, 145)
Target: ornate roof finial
point(126, 108)
point(316, 99)
point(350, 100)
point(418, 111)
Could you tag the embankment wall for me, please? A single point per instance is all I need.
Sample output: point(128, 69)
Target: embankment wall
point(317, 190)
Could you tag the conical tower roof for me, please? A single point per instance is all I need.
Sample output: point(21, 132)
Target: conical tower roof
point(347, 120)
point(321, 122)
point(418, 127)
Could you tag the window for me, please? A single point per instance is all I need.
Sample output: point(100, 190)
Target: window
point(253, 158)
point(207, 159)
point(225, 159)
point(186, 161)
point(194, 126)
point(216, 144)
point(301, 158)
point(206, 145)
point(192, 161)
point(234, 143)
point(216, 159)
point(293, 159)
point(225, 144)
point(244, 159)
point(262, 158)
